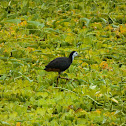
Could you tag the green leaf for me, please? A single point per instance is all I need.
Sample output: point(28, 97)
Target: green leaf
point(36, 23)
point(16, 64)
point(15, 21)
point(4, 58)
point(5, 123)
point(3, 77)
point(51, 30)
point(86, 20)
point(89, 61)
point(25, 77)
point(26, 59)
point(105, 21)
point(65, 20)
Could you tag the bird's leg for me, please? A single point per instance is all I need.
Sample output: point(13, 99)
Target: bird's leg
point(57, 79)
point(65, 78)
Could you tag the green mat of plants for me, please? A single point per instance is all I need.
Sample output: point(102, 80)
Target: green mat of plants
point(34, 32)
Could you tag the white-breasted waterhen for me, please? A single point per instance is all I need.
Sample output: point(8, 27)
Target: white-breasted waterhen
point(60, 64)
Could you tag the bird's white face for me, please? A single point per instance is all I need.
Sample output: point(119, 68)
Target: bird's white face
point(74, 55)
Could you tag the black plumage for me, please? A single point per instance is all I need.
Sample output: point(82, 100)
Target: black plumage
point(60, 64)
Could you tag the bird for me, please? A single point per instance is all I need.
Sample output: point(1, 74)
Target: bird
point(60, 64)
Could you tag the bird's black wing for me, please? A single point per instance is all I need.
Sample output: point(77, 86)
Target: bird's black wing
point(61, 63)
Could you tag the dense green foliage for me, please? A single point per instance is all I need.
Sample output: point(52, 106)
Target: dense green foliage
point(33, 32)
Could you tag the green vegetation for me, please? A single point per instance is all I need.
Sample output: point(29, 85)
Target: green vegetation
point(33, 32)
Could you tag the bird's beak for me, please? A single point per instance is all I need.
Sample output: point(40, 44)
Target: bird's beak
point(79, 56)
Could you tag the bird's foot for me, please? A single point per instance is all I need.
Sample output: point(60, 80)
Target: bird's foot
point(65, 78)
point(61, 78)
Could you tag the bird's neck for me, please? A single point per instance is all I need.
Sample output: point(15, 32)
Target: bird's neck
point(71, 58)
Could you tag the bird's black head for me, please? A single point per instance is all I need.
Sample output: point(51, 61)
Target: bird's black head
point(72, 55)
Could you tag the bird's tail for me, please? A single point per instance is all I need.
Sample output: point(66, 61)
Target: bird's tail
point(45, 69)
